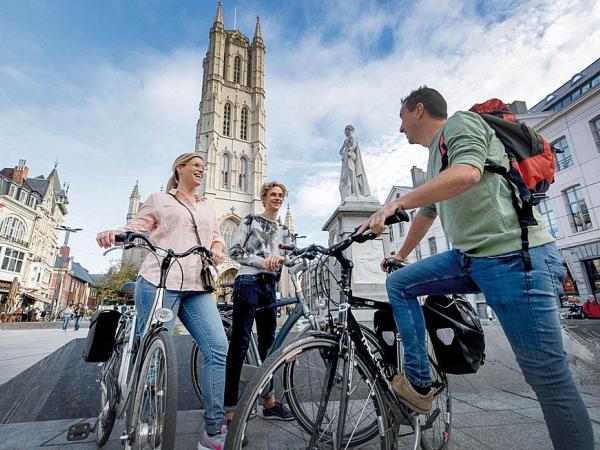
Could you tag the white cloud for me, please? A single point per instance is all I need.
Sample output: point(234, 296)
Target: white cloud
point(118, 122)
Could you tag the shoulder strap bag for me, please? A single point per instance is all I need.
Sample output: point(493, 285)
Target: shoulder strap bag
point(206, 273)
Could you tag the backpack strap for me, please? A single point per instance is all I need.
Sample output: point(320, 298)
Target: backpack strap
point(443, 148)
point(524, 209)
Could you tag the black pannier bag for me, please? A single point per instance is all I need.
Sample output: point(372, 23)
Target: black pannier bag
point(456, 334)
point(101, 337)
point(385, 329)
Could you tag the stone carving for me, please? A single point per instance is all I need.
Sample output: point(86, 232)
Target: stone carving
point(353, 179)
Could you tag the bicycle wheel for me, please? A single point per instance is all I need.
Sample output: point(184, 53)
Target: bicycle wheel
point(154, 410)
point(197, 363)
point(366, 431)
point(318, 374)
point(435, 432)
point(108, 393)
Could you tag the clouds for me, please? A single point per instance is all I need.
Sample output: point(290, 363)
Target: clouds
point(469, 51)
point(112, 117)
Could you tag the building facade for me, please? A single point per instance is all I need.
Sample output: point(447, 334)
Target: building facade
point(30, 211)
point(569, 118)
point(133, 256)
point(72, 284)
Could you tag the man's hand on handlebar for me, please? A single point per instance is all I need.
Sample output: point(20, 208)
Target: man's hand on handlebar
point(106, 239)
point(272, 263)
point(390, 261)
point(377, 221)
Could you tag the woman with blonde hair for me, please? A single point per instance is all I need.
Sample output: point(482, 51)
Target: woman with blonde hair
point(179, 219)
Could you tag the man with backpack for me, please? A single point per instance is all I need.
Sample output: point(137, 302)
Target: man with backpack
point(500, 248)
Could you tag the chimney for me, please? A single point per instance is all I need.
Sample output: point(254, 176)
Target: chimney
point(20, 173)
point(418, 177)
point(517, 107)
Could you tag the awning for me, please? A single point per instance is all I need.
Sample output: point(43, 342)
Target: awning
point(36, 297)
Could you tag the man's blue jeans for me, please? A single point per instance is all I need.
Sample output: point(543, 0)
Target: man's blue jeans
point(199, 314)
point(525, 304)
point(66, 320)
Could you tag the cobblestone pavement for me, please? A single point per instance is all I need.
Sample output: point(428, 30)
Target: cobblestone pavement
point(493, 409)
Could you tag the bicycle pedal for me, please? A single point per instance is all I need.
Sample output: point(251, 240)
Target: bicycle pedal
point(79, 431)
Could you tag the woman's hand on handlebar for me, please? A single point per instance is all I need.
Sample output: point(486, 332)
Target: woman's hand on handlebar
point(106, 239)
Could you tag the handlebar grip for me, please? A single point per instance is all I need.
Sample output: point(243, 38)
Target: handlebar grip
point(120, 238)
point(400, 215)
point(287, 247)
point(392, 264)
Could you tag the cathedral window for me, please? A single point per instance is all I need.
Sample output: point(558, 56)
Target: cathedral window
point(237, 69)
point(228, 230)
point(244, 125)
point(227, 120)
point(243, 175)
point(225, 171)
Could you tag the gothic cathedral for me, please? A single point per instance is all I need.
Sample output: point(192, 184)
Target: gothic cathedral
point(230, 136)
point(230, 133)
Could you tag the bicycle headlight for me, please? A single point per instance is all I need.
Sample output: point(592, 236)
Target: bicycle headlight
point(164, 315)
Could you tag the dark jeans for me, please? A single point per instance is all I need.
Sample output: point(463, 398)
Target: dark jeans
point(249, 293)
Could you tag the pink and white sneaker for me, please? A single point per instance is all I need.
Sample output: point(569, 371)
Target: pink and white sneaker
point(216, 442)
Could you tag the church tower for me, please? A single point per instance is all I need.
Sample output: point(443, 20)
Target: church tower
point(133, 256)
point(230, 133)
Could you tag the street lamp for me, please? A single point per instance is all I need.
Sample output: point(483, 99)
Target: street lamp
point(56, 299)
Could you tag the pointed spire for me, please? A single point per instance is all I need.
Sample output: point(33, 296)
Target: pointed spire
point(136, 192)
point(257, 30)
point(134, 201)
point(288, 219)
point(219, 16)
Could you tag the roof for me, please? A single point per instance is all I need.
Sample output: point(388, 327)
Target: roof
point(81, 272)
point(587, 74)
point(40, 185)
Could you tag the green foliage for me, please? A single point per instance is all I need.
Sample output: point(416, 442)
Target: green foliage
point(109, 287)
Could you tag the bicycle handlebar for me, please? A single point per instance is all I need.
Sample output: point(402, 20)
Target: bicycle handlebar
point(128, 237)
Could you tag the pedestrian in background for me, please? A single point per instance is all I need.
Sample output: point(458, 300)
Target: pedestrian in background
point(67, 316)
point(79, 312)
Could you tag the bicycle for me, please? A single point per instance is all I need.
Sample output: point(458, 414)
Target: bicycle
point(297, 265)
point(337, 384)
point(140, 378)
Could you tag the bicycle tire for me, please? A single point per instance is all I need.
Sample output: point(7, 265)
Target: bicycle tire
point(319, 343)
point(197, 366)
point(108, 399)
point(159, 387)
point(361, 436)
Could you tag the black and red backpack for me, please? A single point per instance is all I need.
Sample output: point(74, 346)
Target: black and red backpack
point(532, 163)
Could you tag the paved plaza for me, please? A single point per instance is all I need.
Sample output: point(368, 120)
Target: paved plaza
point(46, 387)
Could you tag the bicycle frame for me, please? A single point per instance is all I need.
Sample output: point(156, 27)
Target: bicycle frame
point(301, 310)
point(352, 340)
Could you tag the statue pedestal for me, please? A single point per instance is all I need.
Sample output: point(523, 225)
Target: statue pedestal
point(368, 280)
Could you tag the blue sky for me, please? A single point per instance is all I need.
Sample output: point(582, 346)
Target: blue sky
point(111, 89)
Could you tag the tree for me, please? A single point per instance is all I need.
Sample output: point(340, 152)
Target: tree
point(109, 288)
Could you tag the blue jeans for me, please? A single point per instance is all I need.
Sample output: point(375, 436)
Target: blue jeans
point(525, 304)
point(65, 324)
point(199, 314)
point(77, 320)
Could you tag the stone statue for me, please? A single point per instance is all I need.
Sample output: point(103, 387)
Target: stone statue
point(353, 180)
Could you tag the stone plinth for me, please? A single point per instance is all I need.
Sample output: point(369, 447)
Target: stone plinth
point(367, 278)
